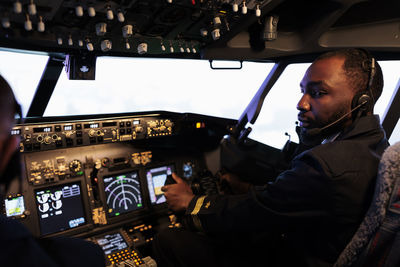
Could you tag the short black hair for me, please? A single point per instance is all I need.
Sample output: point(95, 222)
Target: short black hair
point(357, 67)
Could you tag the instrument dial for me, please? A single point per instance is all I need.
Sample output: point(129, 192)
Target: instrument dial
point(75, 167)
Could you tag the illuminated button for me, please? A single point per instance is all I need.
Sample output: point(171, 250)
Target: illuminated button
point(78, 126)
point(122, 124)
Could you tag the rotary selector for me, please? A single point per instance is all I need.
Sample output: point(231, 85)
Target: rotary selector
point(75, 167)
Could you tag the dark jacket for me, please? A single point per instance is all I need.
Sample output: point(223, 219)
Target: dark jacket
point(19, 248)
point(316, 206)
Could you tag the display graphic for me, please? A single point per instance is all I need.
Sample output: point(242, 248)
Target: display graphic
point(15, 206)
point(156, 178)
point(111, 243)
point(60, 208)
point(122, 193)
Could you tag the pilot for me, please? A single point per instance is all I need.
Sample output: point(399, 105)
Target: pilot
point(311, 211)
point(18, 247)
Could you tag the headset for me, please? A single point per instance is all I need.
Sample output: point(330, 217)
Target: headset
point(364, 100)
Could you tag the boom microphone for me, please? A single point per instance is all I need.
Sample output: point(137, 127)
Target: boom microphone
point(318, 131)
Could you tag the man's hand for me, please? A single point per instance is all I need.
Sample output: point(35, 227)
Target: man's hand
point(178, 195)
point(231, 184)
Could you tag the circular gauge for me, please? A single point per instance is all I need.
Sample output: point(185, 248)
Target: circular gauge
point(188, 169)
point(75, 167)
point(122, 193)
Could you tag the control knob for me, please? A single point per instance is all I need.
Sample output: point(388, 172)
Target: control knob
point(168, 123)
point(76, 167)
point(48, 139)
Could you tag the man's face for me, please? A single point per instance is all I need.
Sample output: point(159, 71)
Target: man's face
point(327, 95)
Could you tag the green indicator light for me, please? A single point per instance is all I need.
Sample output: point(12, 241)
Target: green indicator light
point(116, 214)
point(80, 173)
point(139, 205)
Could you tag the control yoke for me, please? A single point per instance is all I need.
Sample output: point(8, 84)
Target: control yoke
point(239, 132)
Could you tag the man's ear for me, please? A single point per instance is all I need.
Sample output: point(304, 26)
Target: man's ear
point(9, 147)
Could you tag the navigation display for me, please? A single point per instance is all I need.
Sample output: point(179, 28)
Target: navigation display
point(15, 206)
point(122, 193)
point(111, 243)
point(156, 179)
point(60, 208)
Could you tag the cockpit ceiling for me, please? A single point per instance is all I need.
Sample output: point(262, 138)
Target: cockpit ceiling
point(213, 29)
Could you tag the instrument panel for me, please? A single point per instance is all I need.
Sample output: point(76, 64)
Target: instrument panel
point(101, 178)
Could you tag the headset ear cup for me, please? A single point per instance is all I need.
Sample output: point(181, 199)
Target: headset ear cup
point(363, 100)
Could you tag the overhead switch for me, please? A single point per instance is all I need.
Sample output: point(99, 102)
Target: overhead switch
point(142, 48)
point(120, 16)
point(244, 8)
point(89, 46)
point(216, 34)
point(41, 27)
point(106, 45)
point(17, 7)
point(32, 8)
point(258, 11)
point(5, 22)
point(91, 11)
point(79, 11)
point(28, 23)
point(127, 31)
point(70, 41)
point(110, 14)
point(101, 29)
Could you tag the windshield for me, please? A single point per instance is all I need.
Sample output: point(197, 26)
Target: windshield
point(143, 84)
point(179, 85)
point(23, 72)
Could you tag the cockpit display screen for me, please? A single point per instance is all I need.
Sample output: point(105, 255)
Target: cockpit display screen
point(156, 178)
point(122, 193)
point(111, 243)
point(60, 208)
point(15, 206)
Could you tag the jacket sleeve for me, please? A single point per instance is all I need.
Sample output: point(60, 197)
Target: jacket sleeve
point(297, 195)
